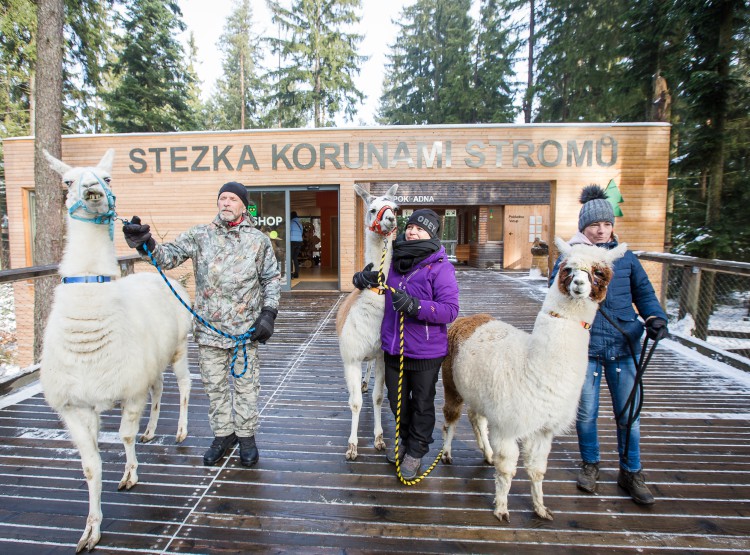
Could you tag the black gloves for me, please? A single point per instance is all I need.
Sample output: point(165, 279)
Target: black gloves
point(656, 328)
point(136, 235)
point(403, 302)
point(366, 278)
point(264, 325)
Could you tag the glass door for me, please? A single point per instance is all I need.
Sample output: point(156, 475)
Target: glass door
point(270, 218)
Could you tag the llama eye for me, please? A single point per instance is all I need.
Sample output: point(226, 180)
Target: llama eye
point(107, 179)
point(599, 274)
point(68, 183)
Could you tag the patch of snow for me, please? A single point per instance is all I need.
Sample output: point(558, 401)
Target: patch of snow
point(7, 332)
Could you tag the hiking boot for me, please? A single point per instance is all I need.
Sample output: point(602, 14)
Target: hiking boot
point(390, 454)
point(587, 477)
point(219, 448)
point(248, 451)
point(635, 484)
point(410, 467)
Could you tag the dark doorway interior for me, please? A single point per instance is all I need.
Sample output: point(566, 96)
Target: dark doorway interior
point(319, 263)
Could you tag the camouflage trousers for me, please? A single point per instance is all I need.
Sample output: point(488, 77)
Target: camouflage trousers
point(227, 412)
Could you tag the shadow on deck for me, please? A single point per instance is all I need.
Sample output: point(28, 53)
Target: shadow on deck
point(304, 497)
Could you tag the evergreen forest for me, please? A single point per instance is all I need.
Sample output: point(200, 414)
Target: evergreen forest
point(686, 62)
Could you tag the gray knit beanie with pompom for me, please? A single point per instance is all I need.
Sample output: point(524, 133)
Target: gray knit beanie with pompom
point(596, 207)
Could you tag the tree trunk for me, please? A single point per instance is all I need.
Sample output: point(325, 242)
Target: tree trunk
point(242, 91)
point(47, 131)
point(529, 96)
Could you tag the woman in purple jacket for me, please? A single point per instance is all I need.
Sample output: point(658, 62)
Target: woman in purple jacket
point(426, 293)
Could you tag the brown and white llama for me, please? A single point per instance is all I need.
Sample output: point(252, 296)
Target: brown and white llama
point(108, 340)
point(360, 315)
point(522, 387)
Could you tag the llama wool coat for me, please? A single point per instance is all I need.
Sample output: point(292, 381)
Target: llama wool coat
point(433, 282)
point(236, 274)
point(630, 286)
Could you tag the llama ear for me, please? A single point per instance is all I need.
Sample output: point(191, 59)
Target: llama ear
point(391, 194)
point(364, 195)
point(617, 252)
point(562, 246)
point(57, 165)
point(107, 161)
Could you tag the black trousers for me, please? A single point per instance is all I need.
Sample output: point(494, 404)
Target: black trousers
point(417, 421)
point(296, 248)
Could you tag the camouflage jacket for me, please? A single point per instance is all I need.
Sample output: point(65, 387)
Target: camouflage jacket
point(236, 274)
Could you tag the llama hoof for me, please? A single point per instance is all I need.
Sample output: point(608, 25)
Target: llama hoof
point(147, 436)
point(447, 458)
point(351, 453)
point(181, 435)
point(129, 479)
point(91, 536)
point(380, 443)
point(544, 512)
point(502, 515)
point(365, 387)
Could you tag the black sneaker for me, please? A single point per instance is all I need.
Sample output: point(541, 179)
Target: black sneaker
point(635, 484)
point(587, 477)
point(248, 451)
point(219, 448)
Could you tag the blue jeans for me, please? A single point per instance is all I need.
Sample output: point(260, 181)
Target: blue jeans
point(620, 374)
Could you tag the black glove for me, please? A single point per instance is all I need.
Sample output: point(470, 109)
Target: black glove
point(137, 235)
point(264, 325)
point(656, 328)
point(403, 302)
point(366, 278)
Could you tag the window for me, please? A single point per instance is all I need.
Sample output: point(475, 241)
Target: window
point(535, 228)
point(495, 223)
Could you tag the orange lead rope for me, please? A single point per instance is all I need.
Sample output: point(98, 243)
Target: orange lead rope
point(381, 281)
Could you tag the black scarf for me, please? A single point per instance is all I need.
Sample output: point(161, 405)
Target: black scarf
point(408, 253)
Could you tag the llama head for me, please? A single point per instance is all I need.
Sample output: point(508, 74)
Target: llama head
point(585, 271)
point(380, 214)
point(88, 187)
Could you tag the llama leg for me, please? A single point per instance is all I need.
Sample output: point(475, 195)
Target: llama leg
point(366, 378)
point(131, 413)
point(156, 390)
point(479, 425)
point(451, 414)
point(352, 374)
point(536, 450)
point(377, 402)
point(83, 425)
point(506, 462)
point(184, 383)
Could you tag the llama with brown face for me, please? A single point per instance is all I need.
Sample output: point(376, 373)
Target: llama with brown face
point(524, 388)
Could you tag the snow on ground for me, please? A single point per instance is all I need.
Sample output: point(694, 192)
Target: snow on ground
point(7, 332)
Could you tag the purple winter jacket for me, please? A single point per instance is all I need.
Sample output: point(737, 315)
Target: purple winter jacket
point(433, 282)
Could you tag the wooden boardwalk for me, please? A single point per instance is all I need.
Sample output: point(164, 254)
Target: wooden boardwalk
point(304, 497)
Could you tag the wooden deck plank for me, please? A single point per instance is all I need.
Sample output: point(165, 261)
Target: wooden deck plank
point(305, 497)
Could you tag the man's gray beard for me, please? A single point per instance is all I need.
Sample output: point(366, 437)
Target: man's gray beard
point(226, 216)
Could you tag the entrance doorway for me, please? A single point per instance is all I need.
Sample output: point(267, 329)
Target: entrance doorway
point(318, 258)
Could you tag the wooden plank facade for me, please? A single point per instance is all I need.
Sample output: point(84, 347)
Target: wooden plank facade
point(497, 187)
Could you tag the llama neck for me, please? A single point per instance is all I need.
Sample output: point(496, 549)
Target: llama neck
point(374, 244)
point(88, 251)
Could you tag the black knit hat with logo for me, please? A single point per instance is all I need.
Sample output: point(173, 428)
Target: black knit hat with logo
point(236, 188)
point(426, 219)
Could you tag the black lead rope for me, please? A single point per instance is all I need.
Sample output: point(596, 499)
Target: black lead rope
point(633, 408)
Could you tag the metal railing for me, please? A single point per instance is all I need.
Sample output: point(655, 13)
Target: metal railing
point(707, 301)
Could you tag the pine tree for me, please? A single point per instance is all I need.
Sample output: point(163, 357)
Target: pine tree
point(315, 80)
point(152, 91)
point(237, 98)
point(497, 48)
point(430, 77)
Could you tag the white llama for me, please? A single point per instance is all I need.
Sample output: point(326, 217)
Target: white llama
point(360, 315)
point(522, 387)
point(107, 340)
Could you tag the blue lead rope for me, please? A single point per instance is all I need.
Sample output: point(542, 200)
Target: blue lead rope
point(239, 340)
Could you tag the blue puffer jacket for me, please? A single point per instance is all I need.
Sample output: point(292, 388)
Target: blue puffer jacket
point(630, 285)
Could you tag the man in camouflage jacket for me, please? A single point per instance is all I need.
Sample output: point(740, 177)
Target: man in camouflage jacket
point(236, 288)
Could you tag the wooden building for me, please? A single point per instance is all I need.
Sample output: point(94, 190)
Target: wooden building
point(496, 187)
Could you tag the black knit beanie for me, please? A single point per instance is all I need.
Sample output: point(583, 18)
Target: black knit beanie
point(426, 219)
point(236, 188)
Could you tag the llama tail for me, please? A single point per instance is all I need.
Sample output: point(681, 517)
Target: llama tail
point(459, 331)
